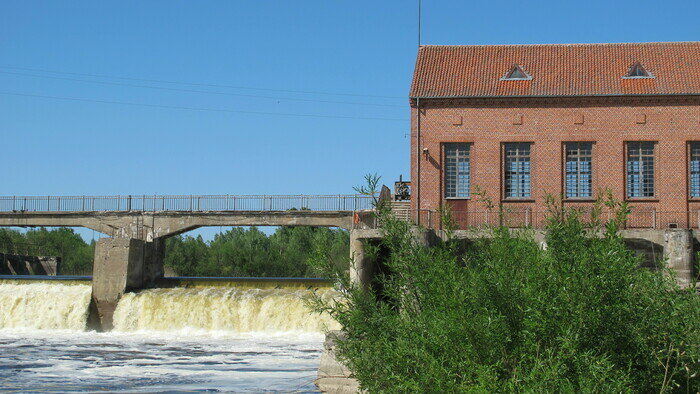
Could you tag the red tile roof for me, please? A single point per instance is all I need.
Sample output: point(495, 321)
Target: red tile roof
point(556, 70)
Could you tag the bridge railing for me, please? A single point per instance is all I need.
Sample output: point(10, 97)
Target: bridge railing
point(519, 218)
point(193, 203)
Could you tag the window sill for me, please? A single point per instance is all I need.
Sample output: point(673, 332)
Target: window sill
point(642, 199)
point(513, 199)
point(582, 199)
point(458, 198)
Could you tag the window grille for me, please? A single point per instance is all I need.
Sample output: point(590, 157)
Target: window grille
point(579, 172)
point(517, 170)
point(695, 169)
point(640, 169)
point(457, 170)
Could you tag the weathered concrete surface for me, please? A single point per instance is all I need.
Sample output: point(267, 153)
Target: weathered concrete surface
point(362, 267)
point(148, 226)
point(333, 376)
point(678, 253)
point(15, 264)
point(117, 267)
point(122, 264)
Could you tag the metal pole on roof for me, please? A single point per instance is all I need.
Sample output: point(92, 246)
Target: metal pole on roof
point(419, 17)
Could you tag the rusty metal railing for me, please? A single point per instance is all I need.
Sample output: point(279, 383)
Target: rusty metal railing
point(154, 203)
point(637, 219)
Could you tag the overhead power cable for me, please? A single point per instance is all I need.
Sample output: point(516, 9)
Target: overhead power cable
point(78, 99)
point(211, 85)
point(197, 91)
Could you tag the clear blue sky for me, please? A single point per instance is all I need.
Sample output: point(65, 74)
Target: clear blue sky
point(359, 51)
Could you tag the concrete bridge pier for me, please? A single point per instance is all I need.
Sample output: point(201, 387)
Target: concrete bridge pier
point(679, 254)
point(363, 268)
point(121, 265)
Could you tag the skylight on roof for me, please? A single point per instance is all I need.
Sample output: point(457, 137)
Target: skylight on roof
point(516, 73)
point(638, 71)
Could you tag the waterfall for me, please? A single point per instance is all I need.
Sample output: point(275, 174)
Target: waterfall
point(215, 309)
point(44, 305)
point(199, 307)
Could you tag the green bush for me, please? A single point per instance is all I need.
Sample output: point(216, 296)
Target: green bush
point(505, 314)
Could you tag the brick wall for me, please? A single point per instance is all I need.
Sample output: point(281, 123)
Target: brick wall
point(548, 124)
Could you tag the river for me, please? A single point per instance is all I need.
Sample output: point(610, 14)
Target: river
point(224, 336)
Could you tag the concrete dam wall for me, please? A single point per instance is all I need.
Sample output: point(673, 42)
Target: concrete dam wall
point(16, 264)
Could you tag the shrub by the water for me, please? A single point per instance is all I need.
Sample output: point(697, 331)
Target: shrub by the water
point(506, 314)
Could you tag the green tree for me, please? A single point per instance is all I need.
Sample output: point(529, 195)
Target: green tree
point(250, 252)
point(76, 255)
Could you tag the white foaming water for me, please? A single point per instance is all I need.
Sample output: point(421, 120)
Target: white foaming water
point(178, 339)
point(46, 306)
point(32, 361)
point(220, 309)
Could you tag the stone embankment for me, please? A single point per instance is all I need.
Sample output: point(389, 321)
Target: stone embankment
point(333, 376)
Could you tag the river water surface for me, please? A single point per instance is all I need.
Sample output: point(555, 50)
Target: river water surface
point(232, 338)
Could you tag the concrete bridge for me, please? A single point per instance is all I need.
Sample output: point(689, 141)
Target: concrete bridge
point(132, 258)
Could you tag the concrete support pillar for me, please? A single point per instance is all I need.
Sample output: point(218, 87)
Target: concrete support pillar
point(120, 265)
point(361, 268)
point(425, 237)
point(153, 268)
point(678, 253)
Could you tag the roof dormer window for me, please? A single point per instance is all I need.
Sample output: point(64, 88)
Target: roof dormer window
point(638, 71)
point(516, 73)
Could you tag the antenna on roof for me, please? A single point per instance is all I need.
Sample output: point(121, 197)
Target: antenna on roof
point(419, 3)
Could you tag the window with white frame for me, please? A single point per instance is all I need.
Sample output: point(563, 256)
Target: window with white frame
point(578, 169)
point(695, 169)
point(640, 169)
point(457, 170)
point(517, 169)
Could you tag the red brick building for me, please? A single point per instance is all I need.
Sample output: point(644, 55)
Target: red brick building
point(523, 121)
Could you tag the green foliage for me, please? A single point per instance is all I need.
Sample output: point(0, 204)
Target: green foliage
point(507, 315)
point(249, 252)
point(75, 253)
